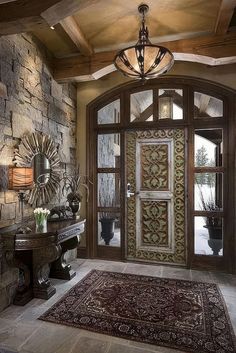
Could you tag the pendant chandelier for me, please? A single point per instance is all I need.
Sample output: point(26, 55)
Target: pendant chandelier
point(144, 60)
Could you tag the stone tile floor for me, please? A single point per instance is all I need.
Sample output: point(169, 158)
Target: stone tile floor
point(20, 331)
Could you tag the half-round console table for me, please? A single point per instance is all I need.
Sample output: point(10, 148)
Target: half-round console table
point(40, 256)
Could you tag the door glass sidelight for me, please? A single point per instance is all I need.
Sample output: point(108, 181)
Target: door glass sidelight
point(110, 114)
point(208, 149)
point(108, 190)
point(208, 192)
point(208, 235)
point(208, 220)
point(108, 151)
point(208, 226)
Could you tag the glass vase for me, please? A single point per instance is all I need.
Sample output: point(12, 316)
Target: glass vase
point(41, 227)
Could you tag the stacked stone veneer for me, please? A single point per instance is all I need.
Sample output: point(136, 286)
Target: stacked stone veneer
point(30, 100)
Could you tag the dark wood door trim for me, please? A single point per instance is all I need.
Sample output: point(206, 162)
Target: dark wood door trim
point(189, 84)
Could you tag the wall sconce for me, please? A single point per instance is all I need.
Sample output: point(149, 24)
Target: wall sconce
point(20, 179)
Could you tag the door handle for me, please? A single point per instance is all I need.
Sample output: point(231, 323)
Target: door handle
point(129, 193)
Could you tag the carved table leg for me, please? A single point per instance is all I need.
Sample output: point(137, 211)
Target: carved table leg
point(42, 287)
point(24, 292)
point(59, 268)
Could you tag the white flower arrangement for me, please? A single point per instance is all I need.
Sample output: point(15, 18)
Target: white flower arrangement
point(41, 214)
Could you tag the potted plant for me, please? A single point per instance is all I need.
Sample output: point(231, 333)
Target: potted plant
point(213, 223)
point(72, 186)
point(107, 218)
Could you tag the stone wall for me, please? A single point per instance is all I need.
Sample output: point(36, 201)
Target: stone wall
point(30, 100)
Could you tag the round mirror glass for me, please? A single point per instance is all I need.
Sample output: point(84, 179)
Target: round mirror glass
point(41, 167)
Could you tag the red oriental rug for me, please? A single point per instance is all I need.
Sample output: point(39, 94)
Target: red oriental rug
point(186, 315)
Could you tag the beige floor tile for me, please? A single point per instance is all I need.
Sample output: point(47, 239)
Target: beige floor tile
point(51, 338)
point(233, 321)
point(230, 303)
point(103, 337)
point(35, 302)
point(90, 345)
point(228, 290)
point(76, 264)
point(15, 336)
point(61, 285)
point(178, 273)
point(120, 348)
point(201, 276)
point(5, 323)
point(155, 271)
point(223, 278)
point(153, 348)
point(105, 265)
point(31, 315)
point(13, 312)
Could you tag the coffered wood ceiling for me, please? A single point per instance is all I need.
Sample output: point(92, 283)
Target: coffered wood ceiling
point(87, 33)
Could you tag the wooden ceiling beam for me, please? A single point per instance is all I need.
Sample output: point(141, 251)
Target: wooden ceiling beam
point(22, 15)
point(224, 16)
point(100, 64)
point(5, 1)
point(26, 15)
point(22, 9)
point(69, 68)
point(65, 8)
point(73, 30)
point(214, 46)
point(19, 26)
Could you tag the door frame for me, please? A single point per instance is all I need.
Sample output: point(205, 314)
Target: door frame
point(171, 138)
point(189, 85)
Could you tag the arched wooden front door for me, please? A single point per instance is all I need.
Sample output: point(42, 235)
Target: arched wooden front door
point(161, 159)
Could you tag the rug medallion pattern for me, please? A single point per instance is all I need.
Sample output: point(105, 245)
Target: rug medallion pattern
point(189, 316)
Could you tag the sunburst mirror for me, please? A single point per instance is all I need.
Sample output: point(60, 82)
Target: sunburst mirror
point(40, 152)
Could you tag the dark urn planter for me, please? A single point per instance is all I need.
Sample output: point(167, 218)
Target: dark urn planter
point(108, 227)
point(215, 238)
point(74, 206)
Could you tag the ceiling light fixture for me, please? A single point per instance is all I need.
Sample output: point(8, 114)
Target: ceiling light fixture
point(144, 60)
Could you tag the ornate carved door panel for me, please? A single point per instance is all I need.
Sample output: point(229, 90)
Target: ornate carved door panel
point(155, 161)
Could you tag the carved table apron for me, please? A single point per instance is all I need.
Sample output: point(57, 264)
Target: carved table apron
point(38, 254)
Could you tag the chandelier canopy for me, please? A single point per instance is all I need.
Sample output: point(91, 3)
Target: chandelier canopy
point(144, 60)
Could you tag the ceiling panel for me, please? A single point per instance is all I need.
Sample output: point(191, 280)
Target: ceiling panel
point(109, 24)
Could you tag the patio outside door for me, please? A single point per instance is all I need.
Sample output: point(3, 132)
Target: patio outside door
point(155, 174)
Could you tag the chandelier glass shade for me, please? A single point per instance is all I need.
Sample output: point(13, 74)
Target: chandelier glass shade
point(144, 60)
